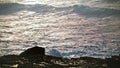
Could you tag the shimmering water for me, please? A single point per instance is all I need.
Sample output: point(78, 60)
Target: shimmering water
point(67, 28)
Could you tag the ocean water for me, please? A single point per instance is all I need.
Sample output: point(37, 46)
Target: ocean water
point(65, 28)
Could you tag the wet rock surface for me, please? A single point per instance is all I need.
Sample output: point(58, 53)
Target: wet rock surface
point(47, 61)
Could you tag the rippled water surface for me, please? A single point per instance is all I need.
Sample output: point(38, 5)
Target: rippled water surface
point(67, 28)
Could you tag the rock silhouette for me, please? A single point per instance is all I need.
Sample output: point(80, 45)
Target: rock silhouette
point(113, 62)
point(33, 51)
point(35, 58)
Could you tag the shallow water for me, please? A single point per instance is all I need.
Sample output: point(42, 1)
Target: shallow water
point(67, 28)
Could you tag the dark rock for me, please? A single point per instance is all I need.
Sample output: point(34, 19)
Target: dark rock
point(9, 66)
point(40, 65)
point(113, 62)
point(10, 59)
point(35, 58)
point(33, 51)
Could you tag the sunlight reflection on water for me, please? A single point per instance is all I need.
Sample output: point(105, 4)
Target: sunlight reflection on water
point(64, 28)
